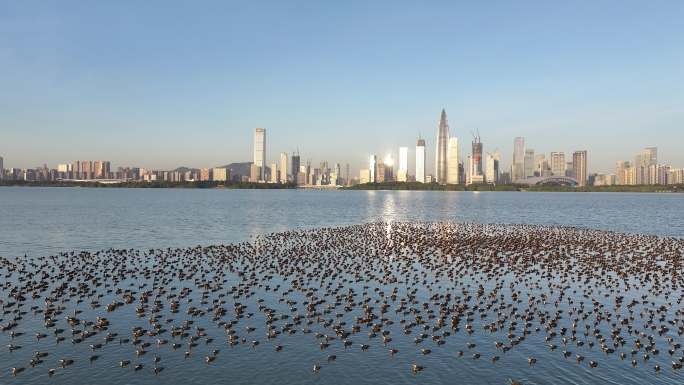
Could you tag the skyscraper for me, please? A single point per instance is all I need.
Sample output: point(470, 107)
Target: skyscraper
point(492, 167)
point(295, 167)
point(2, 168)
point(579, 165)
point(529, 163)
point(347, 176)
point(283, 176)
point(477, 157)
point(373, 167)
point(650, 156)
point(518, 166)
point(402, 174)
point(558, 163)
point(420, 161)
point(442, 146)
point(621, 167)
point(260, 152)
point(452, 161)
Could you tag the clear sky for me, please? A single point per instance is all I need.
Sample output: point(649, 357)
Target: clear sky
point(162, 83)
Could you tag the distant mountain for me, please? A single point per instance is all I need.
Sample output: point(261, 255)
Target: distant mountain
point(236, 169)
point(242, 168)
point(184, 169)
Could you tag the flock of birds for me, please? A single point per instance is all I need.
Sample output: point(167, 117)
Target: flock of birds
point(575, 292)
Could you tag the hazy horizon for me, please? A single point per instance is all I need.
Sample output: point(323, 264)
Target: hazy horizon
point(163, 84)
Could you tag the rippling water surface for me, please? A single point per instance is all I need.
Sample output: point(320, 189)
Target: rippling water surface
point(37, 221)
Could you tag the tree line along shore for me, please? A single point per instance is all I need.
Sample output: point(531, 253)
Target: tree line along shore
point(391, 186)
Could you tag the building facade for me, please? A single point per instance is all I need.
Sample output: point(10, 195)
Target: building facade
point(579, 167)
point(373, 167)
point(441, 149)
point(529, 163)
point(402, 173)
point(558, 163)
point(260, 152)
point(518, 166)
point(452, 161)
point(420, 161)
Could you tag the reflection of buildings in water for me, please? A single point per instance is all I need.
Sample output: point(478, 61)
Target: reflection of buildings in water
point(389, 210)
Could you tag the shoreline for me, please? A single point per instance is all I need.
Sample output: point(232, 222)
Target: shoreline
point(392, 186)
point(413, 186)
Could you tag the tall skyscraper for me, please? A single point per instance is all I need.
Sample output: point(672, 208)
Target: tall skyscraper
point(579, 166)
point(283, 176)
point(558, 163)
point(373, 167)
point(260, 152)
point(402, 174)
point(347, 176)
point(477, 156)
point(518, 166)
point(296, 163)
point(452, 161)
point(442, 147)
point(529, 163)
point(387, 172)
point(2, 168)
point(420, 161)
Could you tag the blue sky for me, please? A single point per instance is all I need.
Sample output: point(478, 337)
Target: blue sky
point(162, 83)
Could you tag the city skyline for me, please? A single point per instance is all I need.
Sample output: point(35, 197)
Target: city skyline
point(477, 167)
point(81, 90)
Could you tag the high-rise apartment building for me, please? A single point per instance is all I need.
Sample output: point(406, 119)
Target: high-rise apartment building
point(441, 149)
point(620, 172)
point(76, 169)
point(420, 161)
point(452, 161)
point(402, 173)
point(650, 156)
point(260, 152)
point(492, 167)
point(101, 169)
point(579, 167)
point(518, 166)
point(283, 173)
point(205, 174)
point(529, 163)
point(219, 174)
point(86, 169)
point(558, 163)
point(274, 173)
point(254, 173)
